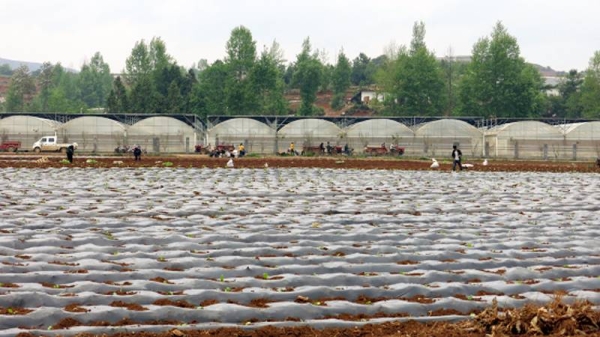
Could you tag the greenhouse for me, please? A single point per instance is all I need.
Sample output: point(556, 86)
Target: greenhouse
point(582, 140)
point(93, 134)
point(374, 132)
point(309, 132)
point(161, 134)
point(26, 129)
point(437, 138)
point(256, 136)
point(527, 139)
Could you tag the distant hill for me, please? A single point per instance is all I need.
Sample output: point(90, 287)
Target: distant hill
point(548, 72)
point(33, 66)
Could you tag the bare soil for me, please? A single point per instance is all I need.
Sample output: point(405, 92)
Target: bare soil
point(203, 161)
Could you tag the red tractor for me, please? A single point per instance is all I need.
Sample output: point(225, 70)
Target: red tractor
point(10, 146)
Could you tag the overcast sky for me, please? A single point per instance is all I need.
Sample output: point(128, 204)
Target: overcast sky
point(556, 33)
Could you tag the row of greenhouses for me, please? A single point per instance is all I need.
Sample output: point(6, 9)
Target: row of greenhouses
point(519, 140)
point(100, 134)
point(161, 134)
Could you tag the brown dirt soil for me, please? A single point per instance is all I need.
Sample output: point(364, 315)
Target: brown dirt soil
point(199, 161)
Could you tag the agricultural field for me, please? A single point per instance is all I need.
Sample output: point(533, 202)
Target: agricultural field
point(109, 250)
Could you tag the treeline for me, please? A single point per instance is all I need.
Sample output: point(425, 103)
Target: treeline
point(410, 80)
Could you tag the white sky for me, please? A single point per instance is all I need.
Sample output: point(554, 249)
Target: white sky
point(556, 33)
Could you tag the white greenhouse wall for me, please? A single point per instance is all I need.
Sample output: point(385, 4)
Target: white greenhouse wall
point(26, 129)
point(583, 140)
point(527, 139)
point(374, 132)
point(162, 134)
point(257, 137)
point(435, 139)
point(308, 132)
point(94, 134)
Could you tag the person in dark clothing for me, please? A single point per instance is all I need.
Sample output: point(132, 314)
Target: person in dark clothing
point(137, 153)
point(456, 157)
point(70, 152)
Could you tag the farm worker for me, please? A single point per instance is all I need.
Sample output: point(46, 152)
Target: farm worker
point(456, 157)
point(346, 149)
point(137, 153)
point(71, 152)
point(321, 148)
point(242, 150)
point(328, 148)
point(292, 150)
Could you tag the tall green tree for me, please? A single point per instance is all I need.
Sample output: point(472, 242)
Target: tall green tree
point(498, 82)
point(307, 77)
point(363, 71)
point(174, 99)
point(157, 53)
point(452, 70)
point(139, 64)
point(20, 90)
point(139, 73)
point(413, 78)
point(341, 80)
point(117, 101)
point(240, 59)
point(590, 89)
point(267, 83)
point(95, 82)
point(46, 84)
point(143, 96)
point(207, 97)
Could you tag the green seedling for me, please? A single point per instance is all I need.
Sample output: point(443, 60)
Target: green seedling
point(265, 276)
point(222, 278)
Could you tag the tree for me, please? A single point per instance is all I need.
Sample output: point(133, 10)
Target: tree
point(157, 54)
point(307, 77)
point(452, 70)
point(268, 84)
point(20, 90)
point(240, 59)
point(45, 82)
point(139, 70)
point(174, 99)
point(163, 81)
point(207, 96)
point(138, 64)
point(363, 71)
point(241, 52)
point(95, 81)
point(117, 101)
point(498, 82)
point(412, 78)
point(341, 80)
point(143, 96)
point(590, 89)
point(5, 70)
